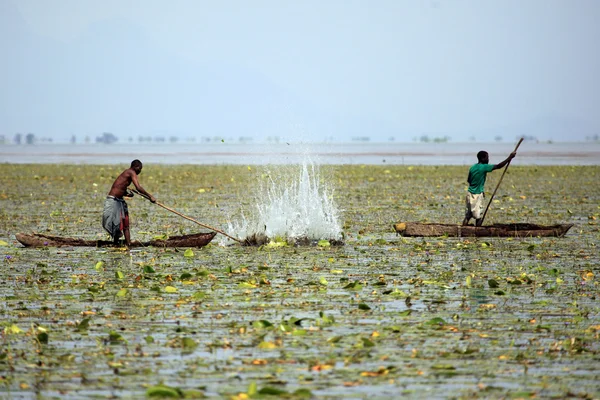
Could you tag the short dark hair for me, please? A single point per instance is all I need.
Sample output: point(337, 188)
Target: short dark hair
point(481, 155)
point(136, 163)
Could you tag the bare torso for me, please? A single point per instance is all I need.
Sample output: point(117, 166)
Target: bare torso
point(119, 187)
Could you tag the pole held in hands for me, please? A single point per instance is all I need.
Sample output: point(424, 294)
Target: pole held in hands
point(189, 218)
point(499, 182)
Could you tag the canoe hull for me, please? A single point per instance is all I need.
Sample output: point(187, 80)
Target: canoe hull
point(417, 229)
point(41, 240)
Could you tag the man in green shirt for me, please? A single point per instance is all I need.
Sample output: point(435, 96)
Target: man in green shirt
point(476, 179)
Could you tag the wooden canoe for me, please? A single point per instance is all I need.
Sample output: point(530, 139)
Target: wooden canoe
point(417, 229)
point(41, 240)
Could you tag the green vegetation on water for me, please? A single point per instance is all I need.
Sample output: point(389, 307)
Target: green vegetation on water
point(380, 317)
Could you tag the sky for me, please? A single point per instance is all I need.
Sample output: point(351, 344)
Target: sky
point(308, 70)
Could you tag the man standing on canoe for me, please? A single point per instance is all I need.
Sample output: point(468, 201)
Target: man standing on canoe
point(476, 179)
point(115, 218)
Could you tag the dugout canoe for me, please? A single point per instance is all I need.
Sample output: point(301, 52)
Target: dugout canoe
point(41, 240)
point(417, 229)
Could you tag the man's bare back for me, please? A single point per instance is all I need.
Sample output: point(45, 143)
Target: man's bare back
point(127, 177)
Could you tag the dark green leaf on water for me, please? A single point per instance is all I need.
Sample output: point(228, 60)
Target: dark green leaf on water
point(83, 325)
point(443, 366)
point(261, 324)
point(66, 358)
point(436, 321)
point(188, 343)
point(334, 339)
point(353, 286)
point(302, 393)
point(149, 339)
point(325, 319)
point(42, 337)
point(367, 342)
point(194, 394)
point(156, 289)
point(296, 321)
point(499, 293)
point(164, 391)
point(493, 283)
point(531, 247)
point(400, 294)
point(199, 295)
point(185, 276)
point(148, 269)
point(363, 306)
point(271, 391)
point(540, 328)
point(115, 338)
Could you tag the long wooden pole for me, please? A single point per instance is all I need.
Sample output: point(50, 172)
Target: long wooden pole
point(499, 182)
point(189, 218)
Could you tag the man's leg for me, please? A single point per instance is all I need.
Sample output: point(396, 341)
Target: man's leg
point(116, 238)
point(467, 211)
point(126, 230)
point(127, 238)
point(478, 209)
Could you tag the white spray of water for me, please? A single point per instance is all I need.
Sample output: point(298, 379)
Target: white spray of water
point(292, 206)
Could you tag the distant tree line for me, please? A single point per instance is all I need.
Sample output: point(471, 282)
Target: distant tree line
point(26, 138)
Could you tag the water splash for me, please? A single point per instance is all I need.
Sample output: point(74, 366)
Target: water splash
point(294, 205)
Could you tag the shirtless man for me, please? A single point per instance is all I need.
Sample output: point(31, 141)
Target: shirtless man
point(115, 218)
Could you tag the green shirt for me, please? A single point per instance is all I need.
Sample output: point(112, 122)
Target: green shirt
point(477, 175)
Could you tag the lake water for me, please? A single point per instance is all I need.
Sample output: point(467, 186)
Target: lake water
point(393, 153)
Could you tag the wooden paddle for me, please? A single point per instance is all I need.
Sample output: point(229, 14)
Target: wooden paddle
point(499, 182)
point(189, 218)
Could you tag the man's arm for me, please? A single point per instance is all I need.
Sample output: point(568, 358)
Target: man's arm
point(140, 189)
point(503, 163)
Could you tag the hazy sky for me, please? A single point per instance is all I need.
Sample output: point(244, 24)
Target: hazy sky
point(302, 69)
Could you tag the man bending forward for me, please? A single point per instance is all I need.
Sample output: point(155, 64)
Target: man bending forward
point(115, 218)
